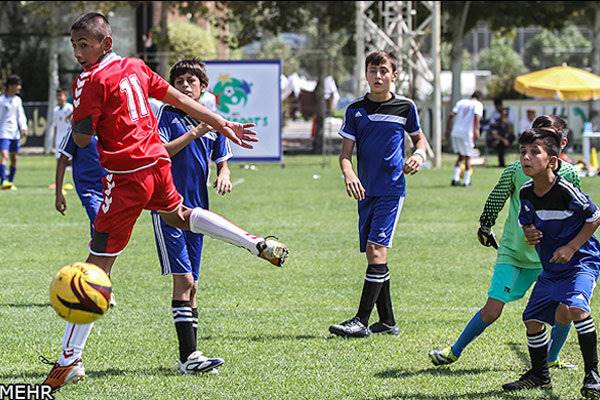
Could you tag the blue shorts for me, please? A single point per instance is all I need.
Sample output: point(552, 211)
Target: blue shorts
point(179, 252)
point(91, 201)
point(11, 145)
point(574, 290)
point(377, 219)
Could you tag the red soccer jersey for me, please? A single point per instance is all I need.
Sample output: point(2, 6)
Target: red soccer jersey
point(111, 100)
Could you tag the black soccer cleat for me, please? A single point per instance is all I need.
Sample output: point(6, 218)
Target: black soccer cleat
point(382, 328)
point(455, 183)
point(529, 380)
point(591, 385)
point(351, 328)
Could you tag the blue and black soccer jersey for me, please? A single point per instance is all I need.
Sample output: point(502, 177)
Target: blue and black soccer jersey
point(378, 131)
point(87, 171)
point(191, 165)
point(560, 214)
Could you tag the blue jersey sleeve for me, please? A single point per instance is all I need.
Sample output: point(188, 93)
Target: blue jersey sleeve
point(584, 206)
point(67, 146)
point(348, 129)
point(164, 124)
point(221, 149)
point(413, 126)
point(527, 212)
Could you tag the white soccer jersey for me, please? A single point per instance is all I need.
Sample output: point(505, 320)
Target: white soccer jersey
point(12, 117)
point(61, 121)
point(465, 111)
point(209, 101)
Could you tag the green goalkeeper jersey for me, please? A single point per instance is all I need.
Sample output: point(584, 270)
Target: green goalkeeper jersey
point(513, 248)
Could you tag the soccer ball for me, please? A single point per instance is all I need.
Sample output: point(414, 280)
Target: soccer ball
point(80, 293)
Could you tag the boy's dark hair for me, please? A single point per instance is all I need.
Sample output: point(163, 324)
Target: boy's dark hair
point(548, 136)
point(62, 90)
point(12, 80)
point(93, 23)
point(552, 121)
point(191, 66)
point(497, 102)
point(477, 95)
point(379, 57)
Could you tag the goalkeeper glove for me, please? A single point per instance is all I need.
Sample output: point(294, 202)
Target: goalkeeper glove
point(486, 237)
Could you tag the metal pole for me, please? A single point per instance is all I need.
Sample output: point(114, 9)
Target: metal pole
point(437, 87)
point(360, 49)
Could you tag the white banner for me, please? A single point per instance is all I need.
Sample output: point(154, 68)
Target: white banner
point(249, 91)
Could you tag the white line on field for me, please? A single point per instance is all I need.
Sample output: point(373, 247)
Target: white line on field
point(238, 182)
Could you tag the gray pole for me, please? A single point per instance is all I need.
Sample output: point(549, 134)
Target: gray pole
point(437, 87)
point(359, 39)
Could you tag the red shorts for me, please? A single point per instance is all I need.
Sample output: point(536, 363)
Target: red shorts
point(125, 196)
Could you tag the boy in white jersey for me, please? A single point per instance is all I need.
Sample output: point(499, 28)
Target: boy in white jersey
point(13, 124)
point(61, 121)
point(464, 120)
point(376, 123)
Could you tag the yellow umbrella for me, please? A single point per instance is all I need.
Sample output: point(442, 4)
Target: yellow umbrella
point(564, 83)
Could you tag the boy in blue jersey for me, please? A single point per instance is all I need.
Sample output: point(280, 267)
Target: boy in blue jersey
point(192, 147)
point(87, 176)
point(570, 257)
point(376, 123)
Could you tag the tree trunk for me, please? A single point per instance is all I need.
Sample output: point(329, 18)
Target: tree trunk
point(321, 111)
point(163, 50)
point(53, 83)
point(456, 54)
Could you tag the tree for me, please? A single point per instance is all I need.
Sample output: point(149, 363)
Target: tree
point(504, 63)
point(548, 49)
point(187, 40)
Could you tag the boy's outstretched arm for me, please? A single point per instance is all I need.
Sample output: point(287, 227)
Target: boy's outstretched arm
point(565, 253)
point(494, 204)
point(239, 134)
point(353, 186)
point(60, 203)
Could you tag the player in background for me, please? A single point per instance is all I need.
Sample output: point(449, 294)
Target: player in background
point(377, 123)
point(570, 256)
point(517, 264)
point(464, 120)
point(191, 147)
point(61, 125)
point(111, 101)
point(87, 176)
point(13, 125)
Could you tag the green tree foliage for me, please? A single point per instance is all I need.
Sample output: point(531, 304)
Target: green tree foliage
point(548, 49)
point(446, 48)
point(187, 40)
point(504, 63)
point(276, 48)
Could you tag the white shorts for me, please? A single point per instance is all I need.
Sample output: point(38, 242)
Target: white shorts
point(462, 146)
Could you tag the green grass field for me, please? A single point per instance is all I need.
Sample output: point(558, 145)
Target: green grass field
point(270, 325)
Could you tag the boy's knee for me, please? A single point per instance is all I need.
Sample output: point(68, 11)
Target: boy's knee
point(183, 285)
point(533, 327)
point(577, 314)
point(490, 313)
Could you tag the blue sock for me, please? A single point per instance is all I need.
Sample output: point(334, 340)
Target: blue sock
point(11, 174)
point(558, 337)
point(473, 329)
point(2, 173)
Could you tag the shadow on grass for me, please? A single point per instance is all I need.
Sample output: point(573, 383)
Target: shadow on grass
point(523, 355)
point(547, 395)
point(267, 338)
point(433, 371)
point(40, 376)
point(25, 305)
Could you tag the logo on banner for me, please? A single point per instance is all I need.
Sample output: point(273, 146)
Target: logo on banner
point(231, 93)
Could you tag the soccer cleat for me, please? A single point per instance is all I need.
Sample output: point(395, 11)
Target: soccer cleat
point(455, 183)
point(61, 375)
point(591, 385)
point(273, 251)
point(351, 328)
point(198, 363)
point(6, 185)
point(69, 186)
point(529, 380)
point(113, 301)
point(442, 357)
point(384, 329)
point(558, 364)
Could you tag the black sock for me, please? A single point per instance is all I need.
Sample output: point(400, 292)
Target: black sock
point(384, 304)
point(182, 314)
point(538, 351)
point(374, 279)
point(195, 323)
point(586, 333)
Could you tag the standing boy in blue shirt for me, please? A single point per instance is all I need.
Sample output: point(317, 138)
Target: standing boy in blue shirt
point(192, 147)
point(376, 123)
point(566, 219)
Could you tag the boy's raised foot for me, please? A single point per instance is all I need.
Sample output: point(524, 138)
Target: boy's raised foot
point(442, 357)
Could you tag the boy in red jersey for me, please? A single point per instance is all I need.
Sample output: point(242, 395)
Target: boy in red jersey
point(111, 101)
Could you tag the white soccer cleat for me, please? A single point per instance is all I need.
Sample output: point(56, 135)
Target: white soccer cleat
point(198, 363)
point(273, 251)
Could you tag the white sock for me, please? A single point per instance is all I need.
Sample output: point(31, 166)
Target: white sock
point(214, 225)
point(73, 342)
point(467, 177)
point(456, 176)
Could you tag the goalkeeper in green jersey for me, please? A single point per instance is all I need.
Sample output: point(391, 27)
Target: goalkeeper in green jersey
point(517, 264)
